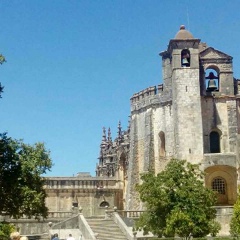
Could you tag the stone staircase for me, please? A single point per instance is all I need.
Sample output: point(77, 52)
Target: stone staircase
point(105, 229)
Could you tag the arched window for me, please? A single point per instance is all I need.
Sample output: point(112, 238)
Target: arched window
point(104, 204)
point(219, 185)
point(162, 151)
point(185, 58)
point(214, 142)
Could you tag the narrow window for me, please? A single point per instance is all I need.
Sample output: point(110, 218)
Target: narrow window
point(214, 142)
point(162, 151)
point(185, 58)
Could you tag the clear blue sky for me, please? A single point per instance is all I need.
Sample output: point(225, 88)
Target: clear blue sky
point(73, 65)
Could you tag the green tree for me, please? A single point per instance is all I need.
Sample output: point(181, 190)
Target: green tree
point(215, 227)
point(235, 221)
point(177, 202)
point(6, 229)
point(21, 184)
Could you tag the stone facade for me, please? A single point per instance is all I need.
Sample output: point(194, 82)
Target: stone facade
point(91, 194)
point(193, 115)
point(186, 118)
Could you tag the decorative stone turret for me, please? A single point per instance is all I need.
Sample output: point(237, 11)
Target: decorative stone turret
point(110, 153)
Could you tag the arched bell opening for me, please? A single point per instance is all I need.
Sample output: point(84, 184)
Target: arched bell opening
point(185, 58)
point(212, 79)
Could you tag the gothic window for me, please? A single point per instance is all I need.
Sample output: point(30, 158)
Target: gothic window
point(162, 144)
point(185, 58)
point(219, 185)
point(214, 142)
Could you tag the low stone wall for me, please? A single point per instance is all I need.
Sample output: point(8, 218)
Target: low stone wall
point(31, 226)
point(69, 223)
point(224, 215)
point(40, 229)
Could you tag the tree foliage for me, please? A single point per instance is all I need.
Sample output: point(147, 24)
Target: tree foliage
point(235, 221)
point(177, 202)
point(21, 184)
point(6, 229)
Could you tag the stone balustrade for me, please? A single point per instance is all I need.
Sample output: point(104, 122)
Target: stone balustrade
point(60, 214)
point(74, 183)
point(130, 214)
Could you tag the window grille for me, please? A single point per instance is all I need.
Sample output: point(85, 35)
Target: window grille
point(218, 185)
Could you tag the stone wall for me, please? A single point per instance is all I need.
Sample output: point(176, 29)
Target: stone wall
point(220, 114)
point(224, 215)
point(93, 195)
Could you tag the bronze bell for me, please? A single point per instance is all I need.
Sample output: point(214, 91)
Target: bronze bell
point(212, 86)
point(185, 61)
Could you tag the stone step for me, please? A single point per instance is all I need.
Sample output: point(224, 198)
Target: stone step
point(105, 229)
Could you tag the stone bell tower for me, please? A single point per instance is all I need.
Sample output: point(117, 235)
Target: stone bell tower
point(183, 51)
point(192, 115)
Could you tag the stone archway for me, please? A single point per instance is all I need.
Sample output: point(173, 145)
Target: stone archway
point(223, 180)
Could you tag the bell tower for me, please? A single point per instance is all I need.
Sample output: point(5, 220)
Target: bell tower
point(193, 115)
point(186, 100)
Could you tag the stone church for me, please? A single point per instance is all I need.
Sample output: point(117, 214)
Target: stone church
point(194, 114)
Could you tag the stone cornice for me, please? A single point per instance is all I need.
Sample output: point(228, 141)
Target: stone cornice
point(182, 44)
point(218, 96)
point(142, 106)
point(81, 190)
